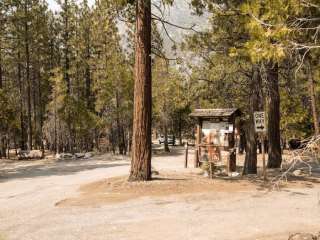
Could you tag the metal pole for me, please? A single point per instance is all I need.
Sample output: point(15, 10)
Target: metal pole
point(186, 155)
point(263, 158)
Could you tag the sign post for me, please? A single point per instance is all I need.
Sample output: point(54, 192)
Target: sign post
point(260, 127)
point(186, 155)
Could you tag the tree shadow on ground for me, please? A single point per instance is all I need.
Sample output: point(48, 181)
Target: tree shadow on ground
point(174, 151)
point(53, 169)
point(273, 183)
point(169, 179)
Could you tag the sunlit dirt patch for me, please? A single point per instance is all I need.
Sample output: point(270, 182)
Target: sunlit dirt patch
point(117, 190)
point(186, 185)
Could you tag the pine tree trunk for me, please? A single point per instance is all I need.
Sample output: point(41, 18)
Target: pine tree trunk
point(313, 100)
point(87, 72)
point(66, 74)
point(41, 110)
point(35, 108)
point(141, 141)
point(127, 142)
point(120, 139)
point(3, 152)
point(274, 151)
point(165, 126)
point(56, 141)
point(242, 141)
point(250, 165)
point(27, 52)
point(180, 128)
point(22, 122)
point(8, 146)
point(165, 144)
point(1, 71)
point(0, 89)
point(66, 49)
point(123, 139)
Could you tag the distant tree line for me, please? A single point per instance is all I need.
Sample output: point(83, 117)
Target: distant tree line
point(65, 80)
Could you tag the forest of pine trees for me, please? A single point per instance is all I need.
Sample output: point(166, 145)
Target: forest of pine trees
point(69, 78)
point(65, 80)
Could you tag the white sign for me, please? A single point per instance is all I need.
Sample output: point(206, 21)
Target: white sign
point(219, 126)
point(259, 121)
point(216, 132)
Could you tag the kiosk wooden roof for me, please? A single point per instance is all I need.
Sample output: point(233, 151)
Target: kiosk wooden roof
point(216, 113)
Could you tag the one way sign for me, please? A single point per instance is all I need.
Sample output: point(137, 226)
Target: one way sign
point(259, 121)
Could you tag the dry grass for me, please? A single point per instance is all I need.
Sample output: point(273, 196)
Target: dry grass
point(117, 190)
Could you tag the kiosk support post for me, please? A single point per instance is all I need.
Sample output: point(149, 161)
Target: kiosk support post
point(263, 157)
point(232, 162)
point(186, 147)
point(197, 147)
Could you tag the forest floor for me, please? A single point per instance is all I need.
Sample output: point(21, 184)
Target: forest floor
point(91, 199)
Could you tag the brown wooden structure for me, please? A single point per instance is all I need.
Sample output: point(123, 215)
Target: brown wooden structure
point(215, 132)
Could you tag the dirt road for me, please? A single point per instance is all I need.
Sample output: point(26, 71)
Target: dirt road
point(29, 193)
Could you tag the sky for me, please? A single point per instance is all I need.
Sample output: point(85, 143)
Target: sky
point(179, 14)
point(54, 6)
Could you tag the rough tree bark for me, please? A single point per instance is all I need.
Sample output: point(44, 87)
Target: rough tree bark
point(3, 152)
point(41, 111)
point(35, 106)
point(274, 151)
point(165, 143)
point(1, 72)
point(90, 103)
point(22, 121)
point(120, 138)
point(66, 75)
point(27, 52)
point(242, 137)
point(180, 128)
point(313, 99)
point(250, 165)
point(165, 125)
point(141, 141)
point(66, 39)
